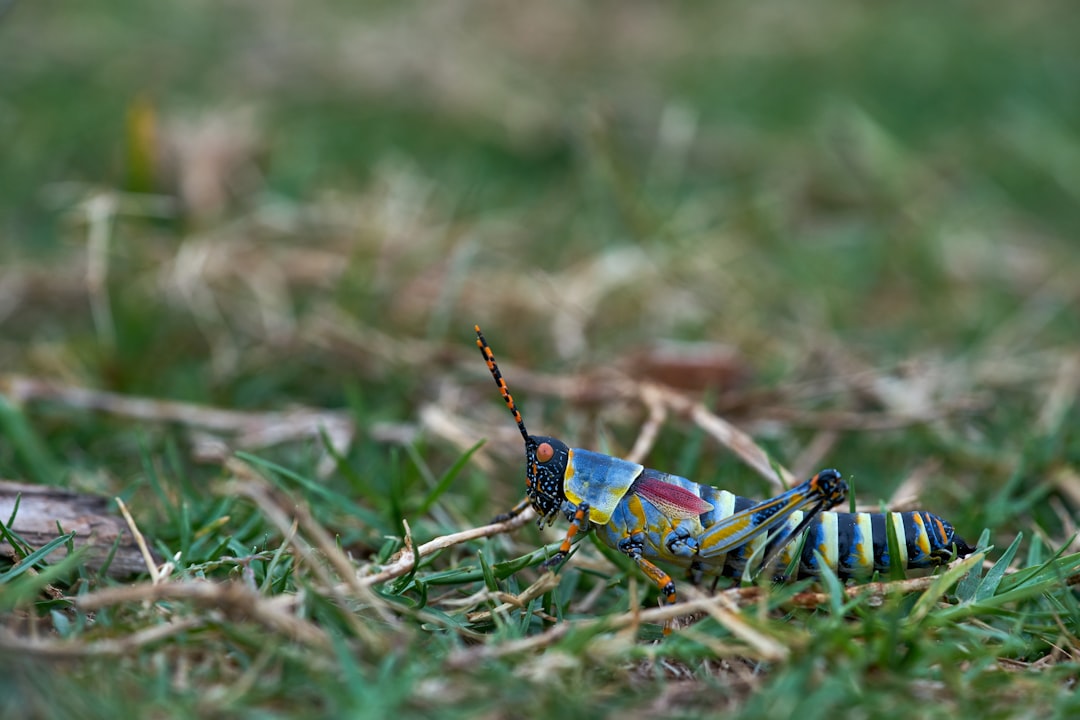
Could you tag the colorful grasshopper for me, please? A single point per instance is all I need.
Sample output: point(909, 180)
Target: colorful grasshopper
point(648, 514)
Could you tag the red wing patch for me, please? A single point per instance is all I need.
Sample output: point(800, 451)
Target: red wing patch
point(673, 501)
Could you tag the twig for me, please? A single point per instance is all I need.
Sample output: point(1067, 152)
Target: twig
point(406, 559)
point(232, 597)
point(148, 558)
point(654, 401)
point(61, 649)
point(732, 438)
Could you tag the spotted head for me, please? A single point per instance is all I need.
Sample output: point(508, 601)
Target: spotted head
point(829, 485)
point(545, 458)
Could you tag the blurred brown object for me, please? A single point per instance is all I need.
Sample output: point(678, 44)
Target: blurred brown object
point(690, 366)
point(208, 158)
point(42, 507)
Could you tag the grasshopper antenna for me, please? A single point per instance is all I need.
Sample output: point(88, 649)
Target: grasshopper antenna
point(489, 358)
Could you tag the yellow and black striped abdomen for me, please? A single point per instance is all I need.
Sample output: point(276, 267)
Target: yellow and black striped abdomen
point(856, 544)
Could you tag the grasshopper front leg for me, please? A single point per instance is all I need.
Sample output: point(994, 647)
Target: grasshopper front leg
point(633, 545)
point(513, 512)
point(577, 524)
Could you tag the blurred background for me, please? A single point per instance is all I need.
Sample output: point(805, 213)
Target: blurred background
point(849, 228)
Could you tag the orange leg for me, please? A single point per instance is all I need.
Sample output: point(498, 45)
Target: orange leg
point(662, 580)
point(580, 521)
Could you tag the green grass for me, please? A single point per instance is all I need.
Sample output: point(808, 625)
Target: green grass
point(877, 207)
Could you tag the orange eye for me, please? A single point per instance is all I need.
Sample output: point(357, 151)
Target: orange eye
point(545, 452)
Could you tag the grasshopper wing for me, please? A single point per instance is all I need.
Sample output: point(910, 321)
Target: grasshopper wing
point(670, 499)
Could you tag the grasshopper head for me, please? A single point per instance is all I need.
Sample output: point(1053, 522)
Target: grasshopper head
point(545, 470)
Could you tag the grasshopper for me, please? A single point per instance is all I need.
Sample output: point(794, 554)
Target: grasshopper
point(652, 515)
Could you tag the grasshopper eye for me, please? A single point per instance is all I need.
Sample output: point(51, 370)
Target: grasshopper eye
point(544, 452)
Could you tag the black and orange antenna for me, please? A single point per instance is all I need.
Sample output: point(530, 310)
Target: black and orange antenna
point(489, 358)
